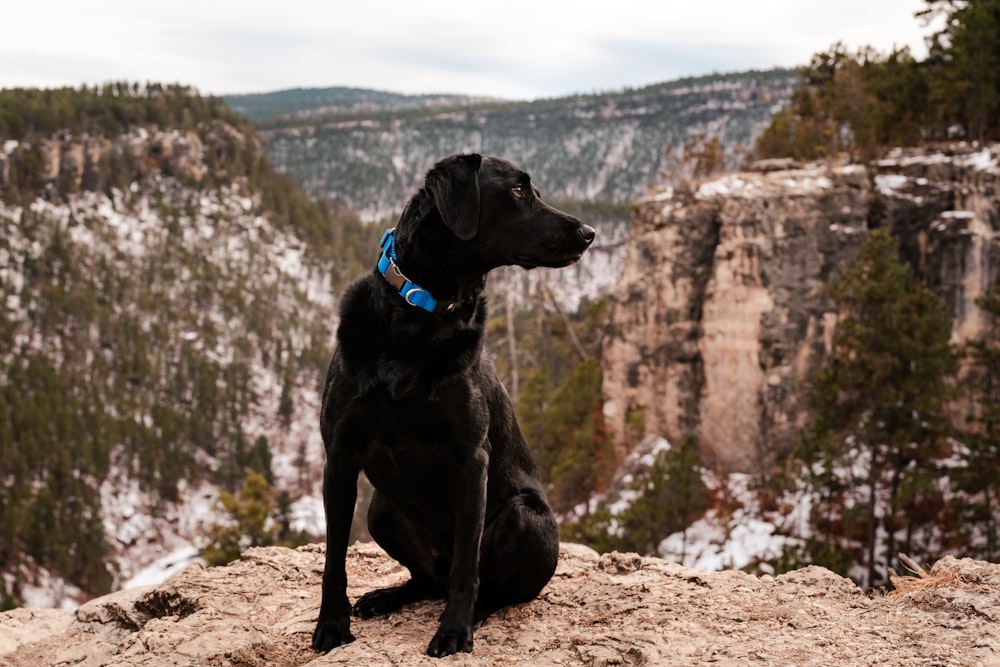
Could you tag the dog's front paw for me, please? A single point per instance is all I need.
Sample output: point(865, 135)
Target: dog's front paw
point(331, 633)
point(378, 603)
point(451, 639)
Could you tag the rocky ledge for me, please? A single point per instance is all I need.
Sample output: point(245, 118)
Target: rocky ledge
point(615, 609)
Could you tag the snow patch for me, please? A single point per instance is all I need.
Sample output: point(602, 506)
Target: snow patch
point(308, 515)
point(163, 567)
point(888, 184)
point(982, 160)
point(958, 215)
point(40, 589)
point(733, 540)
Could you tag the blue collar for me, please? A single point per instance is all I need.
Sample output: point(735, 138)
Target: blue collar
point(413, 293)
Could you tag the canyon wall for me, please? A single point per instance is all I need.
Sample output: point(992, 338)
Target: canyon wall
point(721, 315)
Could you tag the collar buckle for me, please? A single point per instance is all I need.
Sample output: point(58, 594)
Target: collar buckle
point(413, 294)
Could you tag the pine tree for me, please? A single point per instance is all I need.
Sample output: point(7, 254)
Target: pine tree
point(981, 477)
point(259, 459)
point(249, 525)
point(881, 423)
point(964, 58)
point(286, 536)
point(671, 495)
point(666, 497)
point(286, 403)
point(864, 102)
point(578, 444)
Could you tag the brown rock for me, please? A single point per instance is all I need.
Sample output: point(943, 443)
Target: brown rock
point(721, 317)
point(618, 609)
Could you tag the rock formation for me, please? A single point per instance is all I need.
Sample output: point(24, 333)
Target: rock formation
point(76, 162)
point(616, 609)
point(721, 315)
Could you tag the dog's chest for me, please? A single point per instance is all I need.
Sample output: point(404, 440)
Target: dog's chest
point(407, 470)
point(411, 450)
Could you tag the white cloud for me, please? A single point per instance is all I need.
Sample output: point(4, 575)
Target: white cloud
point(518, 49)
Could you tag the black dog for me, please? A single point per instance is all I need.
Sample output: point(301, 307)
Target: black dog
point(409, 400)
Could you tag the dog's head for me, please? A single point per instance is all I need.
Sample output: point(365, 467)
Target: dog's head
point(498, 217)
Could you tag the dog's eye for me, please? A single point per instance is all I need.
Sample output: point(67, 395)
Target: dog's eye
point(517, 190)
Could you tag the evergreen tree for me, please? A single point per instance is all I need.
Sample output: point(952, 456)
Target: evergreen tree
point(559, 407)
point(807, 127)
point(881, 424)
point(865, 102)
point(565, 429)
point(670, 496)
point(249, 525)
point(964, 59)
point(981, 478)
point(259, 459)
point(286, 403)
point(666, 497)
point(286, 536)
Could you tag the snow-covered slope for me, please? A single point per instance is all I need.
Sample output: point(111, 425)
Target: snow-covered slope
point(216, 310)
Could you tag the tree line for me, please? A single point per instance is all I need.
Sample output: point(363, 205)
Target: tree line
point(108, 110)
point(864, 102)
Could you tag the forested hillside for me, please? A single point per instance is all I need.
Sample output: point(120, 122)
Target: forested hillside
point(168, 308)
point(312, 102)
point(598, 147)
point(166, 312)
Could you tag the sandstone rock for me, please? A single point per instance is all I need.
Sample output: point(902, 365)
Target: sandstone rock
point(721, 316)
point(75, 160)
point(81, 161)
point(616, 609)
point(25, 626)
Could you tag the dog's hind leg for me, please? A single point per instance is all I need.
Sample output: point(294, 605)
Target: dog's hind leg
point(519, 553)
point(408, 544)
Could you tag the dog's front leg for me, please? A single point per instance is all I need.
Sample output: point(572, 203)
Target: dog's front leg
point(340, 492)
point(454, 634)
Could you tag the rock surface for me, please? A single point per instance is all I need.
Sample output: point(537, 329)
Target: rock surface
point(616, 609)
point(82, 161)
point(721, 316)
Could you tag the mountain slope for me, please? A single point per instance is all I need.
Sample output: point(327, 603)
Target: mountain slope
point(166, 314)
point(607, 146)
point(309, 102)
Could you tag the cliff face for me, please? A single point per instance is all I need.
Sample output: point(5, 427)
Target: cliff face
point(84, 162)
point(721, 317)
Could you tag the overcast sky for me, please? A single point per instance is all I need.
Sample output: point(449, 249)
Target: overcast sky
point(503, 48)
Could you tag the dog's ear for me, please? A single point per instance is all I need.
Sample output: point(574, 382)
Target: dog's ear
point(453, 184)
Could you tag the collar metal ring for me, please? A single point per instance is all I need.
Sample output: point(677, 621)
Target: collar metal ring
point(411, 293)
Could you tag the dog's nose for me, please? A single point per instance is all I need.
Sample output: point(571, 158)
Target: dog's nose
point(587, 232)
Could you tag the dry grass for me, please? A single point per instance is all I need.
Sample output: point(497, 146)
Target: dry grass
point(921, 580)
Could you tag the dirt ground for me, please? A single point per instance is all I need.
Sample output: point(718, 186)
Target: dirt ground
point(616, 609)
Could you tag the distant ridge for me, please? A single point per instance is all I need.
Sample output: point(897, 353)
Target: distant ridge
point(368, 150)
point(309, 102)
